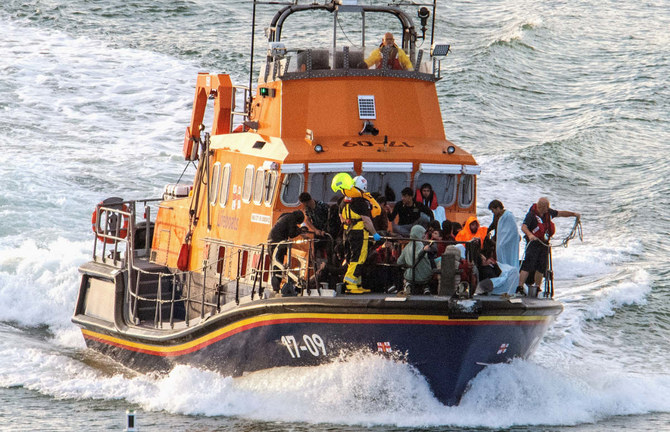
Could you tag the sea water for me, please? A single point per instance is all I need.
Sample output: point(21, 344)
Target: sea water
point(568, 100)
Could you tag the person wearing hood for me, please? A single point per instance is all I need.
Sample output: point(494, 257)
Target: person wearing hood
point(472, 229)
point(414, 256)
point(286, 228)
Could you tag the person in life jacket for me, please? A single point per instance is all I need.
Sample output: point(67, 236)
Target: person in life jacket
point(427, 196)
point(397, 59)
point(472, 229)
point(356, 217)
point(360, 189)
point(538, 230)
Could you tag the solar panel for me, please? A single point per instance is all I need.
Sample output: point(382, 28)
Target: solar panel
point(366, 107)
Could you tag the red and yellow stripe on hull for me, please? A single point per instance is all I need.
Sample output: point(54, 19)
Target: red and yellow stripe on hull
point(293, 318)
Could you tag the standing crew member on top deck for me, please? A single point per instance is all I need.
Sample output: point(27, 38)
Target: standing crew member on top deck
point(357, 224)
point(397, 59)
point(538, 229)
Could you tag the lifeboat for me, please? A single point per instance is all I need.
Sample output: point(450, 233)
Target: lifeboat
point(185, 278)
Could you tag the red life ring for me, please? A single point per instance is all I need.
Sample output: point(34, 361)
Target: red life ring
point(99, 231)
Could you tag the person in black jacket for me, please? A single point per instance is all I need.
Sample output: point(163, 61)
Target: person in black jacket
point(286, 228)
point(409, 212)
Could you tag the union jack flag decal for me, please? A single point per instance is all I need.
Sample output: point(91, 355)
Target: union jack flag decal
point(384, 347)
point(503, 348)
point(237, 197)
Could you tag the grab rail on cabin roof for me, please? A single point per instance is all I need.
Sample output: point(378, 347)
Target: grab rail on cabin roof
point(279, 66)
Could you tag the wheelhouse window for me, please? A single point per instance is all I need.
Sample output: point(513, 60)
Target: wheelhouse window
point(258, 186)
point(270, 186)
point(291, 188)
point(387, 179)
point(247, 186)
point(444, 186)
point(466, 192)
point(321, 176)
point(319, 185)
point(225, 185)
point(214, 184)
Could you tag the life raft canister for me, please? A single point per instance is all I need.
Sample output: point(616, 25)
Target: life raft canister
point(111, 222)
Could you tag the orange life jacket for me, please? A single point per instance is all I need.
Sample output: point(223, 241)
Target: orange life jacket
point(466, 235)
point(355, 192)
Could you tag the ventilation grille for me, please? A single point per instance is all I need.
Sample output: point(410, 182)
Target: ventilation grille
point(366, 108)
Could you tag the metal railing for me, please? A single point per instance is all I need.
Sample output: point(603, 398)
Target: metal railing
point(160, 296)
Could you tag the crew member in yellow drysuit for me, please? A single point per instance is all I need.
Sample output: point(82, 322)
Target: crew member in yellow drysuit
point(355, 215)
point(397, 59)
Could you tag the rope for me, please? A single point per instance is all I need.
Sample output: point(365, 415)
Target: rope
point(185, 168)
point(575, 232)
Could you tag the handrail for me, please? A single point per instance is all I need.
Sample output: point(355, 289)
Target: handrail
point(234, 106)
point(147, 291)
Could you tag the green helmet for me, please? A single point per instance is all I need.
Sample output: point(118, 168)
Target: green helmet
point(341, 182)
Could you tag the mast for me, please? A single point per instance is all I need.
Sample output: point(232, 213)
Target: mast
point(251, 59)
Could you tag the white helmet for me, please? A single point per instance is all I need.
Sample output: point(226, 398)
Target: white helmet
point(360, 183)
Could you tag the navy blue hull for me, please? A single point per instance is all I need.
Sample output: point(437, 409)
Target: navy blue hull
point(449, 352)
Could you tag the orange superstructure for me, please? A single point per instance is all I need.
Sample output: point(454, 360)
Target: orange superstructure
point(304, 125)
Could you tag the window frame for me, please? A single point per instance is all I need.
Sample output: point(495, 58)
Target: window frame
point(270, 188)
point(407, 182)
point(301, 177)
point(326, 184)
point(454, 195)
point(247, 194)
point(215, 181)
point(259, 186)
point(472, 191)
point(223, 196)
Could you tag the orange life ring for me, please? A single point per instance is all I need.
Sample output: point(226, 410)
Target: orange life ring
point(97, 229)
